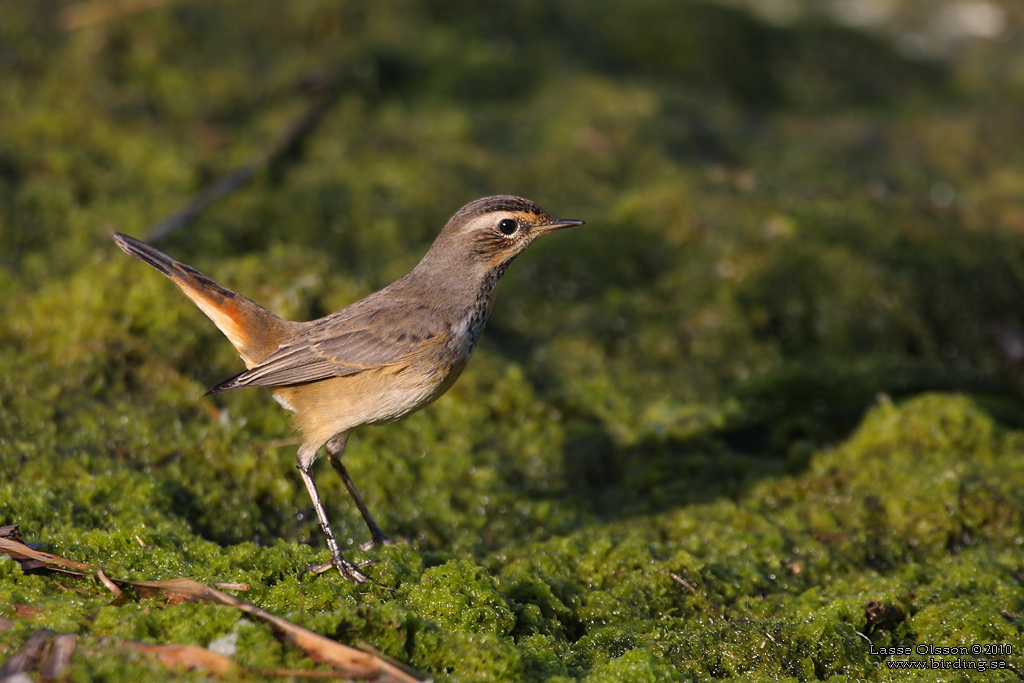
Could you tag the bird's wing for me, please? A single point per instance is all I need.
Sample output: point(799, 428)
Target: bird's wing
point(345, 344)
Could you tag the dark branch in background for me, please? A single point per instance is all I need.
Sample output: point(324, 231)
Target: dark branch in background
point(324, 91)
point(325, 94)
point(96, 12)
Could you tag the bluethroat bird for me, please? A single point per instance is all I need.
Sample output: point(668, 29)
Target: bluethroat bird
point(379, 359)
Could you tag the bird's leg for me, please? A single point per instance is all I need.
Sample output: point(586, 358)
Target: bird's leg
point(335, 448)
point(347, 569)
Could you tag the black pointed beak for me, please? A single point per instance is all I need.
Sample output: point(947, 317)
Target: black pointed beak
point(555, 224)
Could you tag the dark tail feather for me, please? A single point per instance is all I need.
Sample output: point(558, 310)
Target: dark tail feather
point(151, 255)
point(254, 331)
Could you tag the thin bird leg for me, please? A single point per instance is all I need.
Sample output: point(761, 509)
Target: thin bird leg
point(335, 448)
point(347, 569)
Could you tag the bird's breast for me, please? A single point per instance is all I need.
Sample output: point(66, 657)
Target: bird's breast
point(469, 324)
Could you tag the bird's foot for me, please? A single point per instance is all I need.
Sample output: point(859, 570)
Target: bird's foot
point(349, 570)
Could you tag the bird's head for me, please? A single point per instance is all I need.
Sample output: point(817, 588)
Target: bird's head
point(490, 232)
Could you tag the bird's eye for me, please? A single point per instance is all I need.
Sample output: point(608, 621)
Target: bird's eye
point(507, 226)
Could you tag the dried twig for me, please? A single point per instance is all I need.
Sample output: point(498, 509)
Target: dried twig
point(289, 142)
point(683, 582)
point(195, 658)
point(25, 659)
point(232, 586)
point(189, 657)
point(355, 663)
point(111, 586)
point(348, 661)
point(37, 559)
point(58, 657)
point(85, 14)
point(366, 647)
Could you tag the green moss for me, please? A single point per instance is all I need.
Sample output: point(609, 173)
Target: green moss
point(762, 409)
point(635, 665)
point(459, 596)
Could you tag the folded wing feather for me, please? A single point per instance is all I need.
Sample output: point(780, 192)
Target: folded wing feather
point(355, 339)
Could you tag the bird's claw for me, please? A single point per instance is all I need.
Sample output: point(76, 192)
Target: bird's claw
point(348, 570)
point(374, 542)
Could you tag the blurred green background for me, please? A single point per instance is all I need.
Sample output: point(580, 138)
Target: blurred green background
point(774, 382)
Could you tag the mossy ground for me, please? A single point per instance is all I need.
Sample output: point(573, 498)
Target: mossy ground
point(762, 409)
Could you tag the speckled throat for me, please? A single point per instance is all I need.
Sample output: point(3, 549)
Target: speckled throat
point(469, 326)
